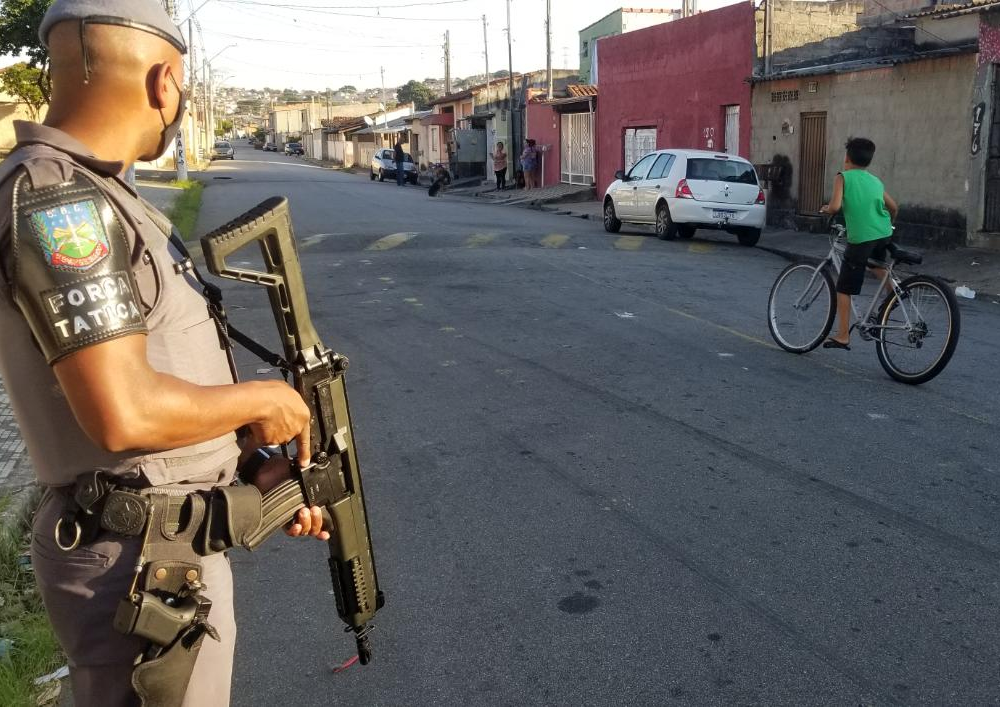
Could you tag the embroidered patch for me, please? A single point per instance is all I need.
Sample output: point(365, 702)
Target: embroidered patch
point(72, 236)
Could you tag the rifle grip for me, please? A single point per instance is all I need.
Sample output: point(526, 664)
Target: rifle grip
point(247, 228)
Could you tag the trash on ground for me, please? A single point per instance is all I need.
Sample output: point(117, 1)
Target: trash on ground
point(50, 695)
point(625, 315)
point(6, 645)
point(963, 291)
point(59, 674)
point(264, 371)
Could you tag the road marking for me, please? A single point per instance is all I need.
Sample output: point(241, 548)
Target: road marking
point(554, 240)
point(629, 243)
point(701, 248)
point(478, 240)
point(877, 416)
point(318, 238)
point(726, 355)
point(385, 279)
point(391, 241)
point(447, 329)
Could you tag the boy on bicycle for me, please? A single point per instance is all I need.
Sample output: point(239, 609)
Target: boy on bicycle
point(869, 213)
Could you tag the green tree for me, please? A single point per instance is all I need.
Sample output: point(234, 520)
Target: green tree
point(347, 89)
point(415, 92)
point(19, 23)
point(24, 82)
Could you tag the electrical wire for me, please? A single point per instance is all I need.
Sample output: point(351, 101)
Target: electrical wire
point(353, 14)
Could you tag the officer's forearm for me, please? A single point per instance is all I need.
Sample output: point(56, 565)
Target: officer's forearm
point(122, 403)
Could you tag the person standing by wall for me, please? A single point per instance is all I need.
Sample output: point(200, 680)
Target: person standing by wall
point(500, 166)
point(529, 163)
point(400, 157)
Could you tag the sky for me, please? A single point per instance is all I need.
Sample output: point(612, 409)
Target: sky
point(320, 44)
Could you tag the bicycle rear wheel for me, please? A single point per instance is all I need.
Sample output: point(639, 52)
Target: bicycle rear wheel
point(801, 307)
point(919, 331)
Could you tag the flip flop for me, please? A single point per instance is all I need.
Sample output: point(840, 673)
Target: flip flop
point(834, 344)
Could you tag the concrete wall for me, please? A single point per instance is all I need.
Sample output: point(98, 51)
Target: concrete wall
point(918, 116)
point(796, 23)
point(652, 78)
point(608, 26)
point(9, 112)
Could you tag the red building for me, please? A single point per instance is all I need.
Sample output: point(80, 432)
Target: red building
point(682, 84)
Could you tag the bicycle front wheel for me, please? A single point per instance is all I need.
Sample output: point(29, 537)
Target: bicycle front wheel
point(801, 307)
point(918, 331)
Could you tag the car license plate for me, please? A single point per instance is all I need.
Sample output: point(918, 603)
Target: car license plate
point(723, 214)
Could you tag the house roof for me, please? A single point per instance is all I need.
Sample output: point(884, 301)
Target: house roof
point(845, 67)
point(942, 12)
point(581, 90)
point(468, 93)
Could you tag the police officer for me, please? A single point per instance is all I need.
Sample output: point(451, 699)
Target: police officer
point(109, 355)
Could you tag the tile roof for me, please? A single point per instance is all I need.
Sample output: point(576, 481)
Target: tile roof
point(581, 90)
point(941, 12)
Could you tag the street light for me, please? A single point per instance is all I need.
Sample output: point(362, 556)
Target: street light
point(206, 73)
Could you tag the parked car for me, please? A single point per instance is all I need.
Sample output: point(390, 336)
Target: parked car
point(384, 167)
point(294, 148)
point(680, 191)
point(270, 147)
point(222, 150)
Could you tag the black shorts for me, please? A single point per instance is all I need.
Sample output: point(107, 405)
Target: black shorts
point(852, 270)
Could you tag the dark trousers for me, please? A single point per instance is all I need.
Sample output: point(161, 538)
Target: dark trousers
point(400, 174)
point(501, 178)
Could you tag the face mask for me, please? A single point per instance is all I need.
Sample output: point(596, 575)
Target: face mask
point(170, 131)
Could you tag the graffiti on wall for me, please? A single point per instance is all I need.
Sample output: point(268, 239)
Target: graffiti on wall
point(977, 127)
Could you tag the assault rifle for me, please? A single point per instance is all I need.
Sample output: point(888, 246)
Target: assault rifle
point(332, 480)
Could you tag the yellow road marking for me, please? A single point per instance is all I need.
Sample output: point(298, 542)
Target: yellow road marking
point(447, 329)
point(701, 248)
point(392, 241)
point(554, 240)
point(629, 243)
point(478, 240)
point(385, 279)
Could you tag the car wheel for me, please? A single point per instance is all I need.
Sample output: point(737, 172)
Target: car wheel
point(381, 175)
point(686, 232)
point(612, 224)
point(371, 175)
point(413, 180)
point(666, 229)
point(749, 237)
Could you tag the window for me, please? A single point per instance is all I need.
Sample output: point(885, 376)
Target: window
point(717, 170)
point(586, 49)
point(661, 168)
point(784, 96)
point(642, 167)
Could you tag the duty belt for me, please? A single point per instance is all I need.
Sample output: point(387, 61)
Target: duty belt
point(209, 521)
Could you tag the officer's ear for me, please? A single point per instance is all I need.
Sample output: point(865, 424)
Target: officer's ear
point(160, 78)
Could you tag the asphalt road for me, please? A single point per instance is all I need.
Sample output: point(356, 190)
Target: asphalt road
point(593, 479)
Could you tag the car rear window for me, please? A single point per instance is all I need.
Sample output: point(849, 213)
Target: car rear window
point(222, 145)
point(721, 170)
point(295, 144)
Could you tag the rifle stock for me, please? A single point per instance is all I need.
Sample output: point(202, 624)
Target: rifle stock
point(333, 479)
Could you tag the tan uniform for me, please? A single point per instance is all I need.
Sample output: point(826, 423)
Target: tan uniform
point(81, 589)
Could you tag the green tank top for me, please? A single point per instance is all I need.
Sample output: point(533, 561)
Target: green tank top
point(864, 208)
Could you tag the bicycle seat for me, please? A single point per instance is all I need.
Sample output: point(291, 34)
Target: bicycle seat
point(904, 256)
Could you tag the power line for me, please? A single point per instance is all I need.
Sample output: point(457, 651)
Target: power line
point(368, 6)
point(377, 16)
point(325, 47)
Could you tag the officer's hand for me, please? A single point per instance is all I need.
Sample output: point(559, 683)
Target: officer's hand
point(308, 521)
point(285, 417)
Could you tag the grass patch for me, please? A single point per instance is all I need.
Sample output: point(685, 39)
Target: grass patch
point(32, 650)
point(184, 215)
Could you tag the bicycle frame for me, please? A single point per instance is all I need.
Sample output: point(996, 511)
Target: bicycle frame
point(838, 241)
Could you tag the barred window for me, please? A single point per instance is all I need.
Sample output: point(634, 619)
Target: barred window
point(784, 96)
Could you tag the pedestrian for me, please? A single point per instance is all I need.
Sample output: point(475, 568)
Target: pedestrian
point(869, 213)
point(500, 166)
point(400, 157)
point(108, 349)
point(529, 163)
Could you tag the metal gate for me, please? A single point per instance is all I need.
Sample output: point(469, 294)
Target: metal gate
point(732, 130)
point(991, 219)
point(577, 148)
point(812, 163)
point(639, 142)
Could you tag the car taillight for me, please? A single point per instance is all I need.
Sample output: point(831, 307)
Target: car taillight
point(683, 190)
point(761, 199)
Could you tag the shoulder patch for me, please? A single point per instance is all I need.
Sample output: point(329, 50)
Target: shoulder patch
point(72, 275)
point(72, 235)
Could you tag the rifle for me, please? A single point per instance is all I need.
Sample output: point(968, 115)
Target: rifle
point(332, 480)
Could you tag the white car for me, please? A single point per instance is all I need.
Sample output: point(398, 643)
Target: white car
point(384, 167)
point(680, 191)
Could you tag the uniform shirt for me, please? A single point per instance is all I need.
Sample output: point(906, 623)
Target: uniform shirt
point(182, 339)
point(865, 213)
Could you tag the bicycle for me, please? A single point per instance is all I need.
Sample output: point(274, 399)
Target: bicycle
point(915, 329)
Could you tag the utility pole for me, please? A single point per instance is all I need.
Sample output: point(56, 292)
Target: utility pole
point(510, 83)
point(548, 46)
point(385, 106)
point(768, 20)
point(192, 83)
point(447, 62)
point(486, 53)
point(180, 157)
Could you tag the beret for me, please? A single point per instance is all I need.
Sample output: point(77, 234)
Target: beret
point(145, 15)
